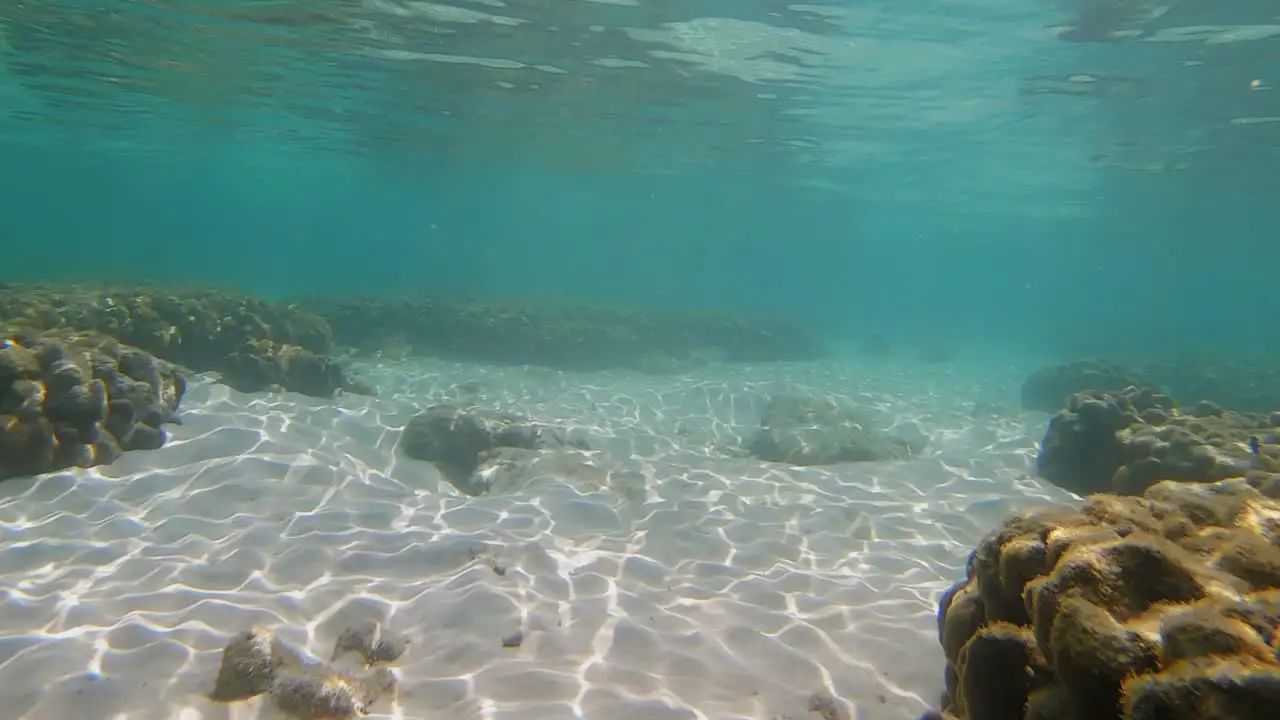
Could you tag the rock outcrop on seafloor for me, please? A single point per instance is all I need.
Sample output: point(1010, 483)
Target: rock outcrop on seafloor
point(1050, 387)
point(79, 399)
point(1126, 441)
point(1244, 385)
point(456, 440)
point(576, 337)
point(246, 339)
point(815, 431)
point(204, 329)
point(1159, 607)
point(261, 365)
point(301, 686)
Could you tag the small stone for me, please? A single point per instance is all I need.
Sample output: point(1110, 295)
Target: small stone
point(320, 693)
point(372, 642)
point(827, 706)
point(248, 667)
point(513, 639)
point(308, 697)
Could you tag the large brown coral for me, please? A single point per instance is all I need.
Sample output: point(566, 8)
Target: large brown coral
point(253, 343)
point(79, 399)
point(1159, 607)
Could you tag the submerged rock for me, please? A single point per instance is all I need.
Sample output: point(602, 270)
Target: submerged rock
point(1241, 383)
point(1133, 608)
point(79, 399)
point(1125, 442)
point(302, 686)
point(506, 470)
point(260, 365)
point(333, 697)
point(1049, 388)
point(811, 431)
point(454, 440)
point(372, 642)
point(576, 337)
point(249, 665)
point(255, 344)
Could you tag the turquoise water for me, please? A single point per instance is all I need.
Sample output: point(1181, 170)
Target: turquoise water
point(588, 512)
point(1053, 176)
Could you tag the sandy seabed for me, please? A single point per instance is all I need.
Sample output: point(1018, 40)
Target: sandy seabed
point(656, 576)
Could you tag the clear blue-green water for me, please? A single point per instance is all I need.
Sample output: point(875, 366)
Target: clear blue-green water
point(1045, 173)
point(995, 185)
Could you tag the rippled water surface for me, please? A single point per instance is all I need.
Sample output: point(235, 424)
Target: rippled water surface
point(662, 86)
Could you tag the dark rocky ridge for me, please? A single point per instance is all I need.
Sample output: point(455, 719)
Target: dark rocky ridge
point(256, 344)
point(578, 337)
point(253, 344)
point(1243, 385)
point(1050, 387)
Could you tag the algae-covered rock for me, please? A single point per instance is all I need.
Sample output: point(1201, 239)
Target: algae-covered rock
point(1164, 606)
point(193, 326)
point(560, 335)
point(813, 431)
point(455, 439)
point(301, 686)
point(260, 365)
point(1127, 441)
point(1242, 383)
point(1049, 388)
point(201, 328)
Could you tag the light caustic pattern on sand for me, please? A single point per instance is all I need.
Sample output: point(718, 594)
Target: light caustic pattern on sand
point(658, 576)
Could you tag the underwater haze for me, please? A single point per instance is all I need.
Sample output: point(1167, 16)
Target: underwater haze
point(1038, 174)
point(639, 359)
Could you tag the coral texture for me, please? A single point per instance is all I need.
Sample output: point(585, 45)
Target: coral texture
point(1159, 607)
point(254, 344)
point(79, 399)
point(1124, 442)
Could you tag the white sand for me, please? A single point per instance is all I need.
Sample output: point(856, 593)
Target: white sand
point(685, 583)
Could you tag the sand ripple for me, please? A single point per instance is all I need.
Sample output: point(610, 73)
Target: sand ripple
point(658, 576)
